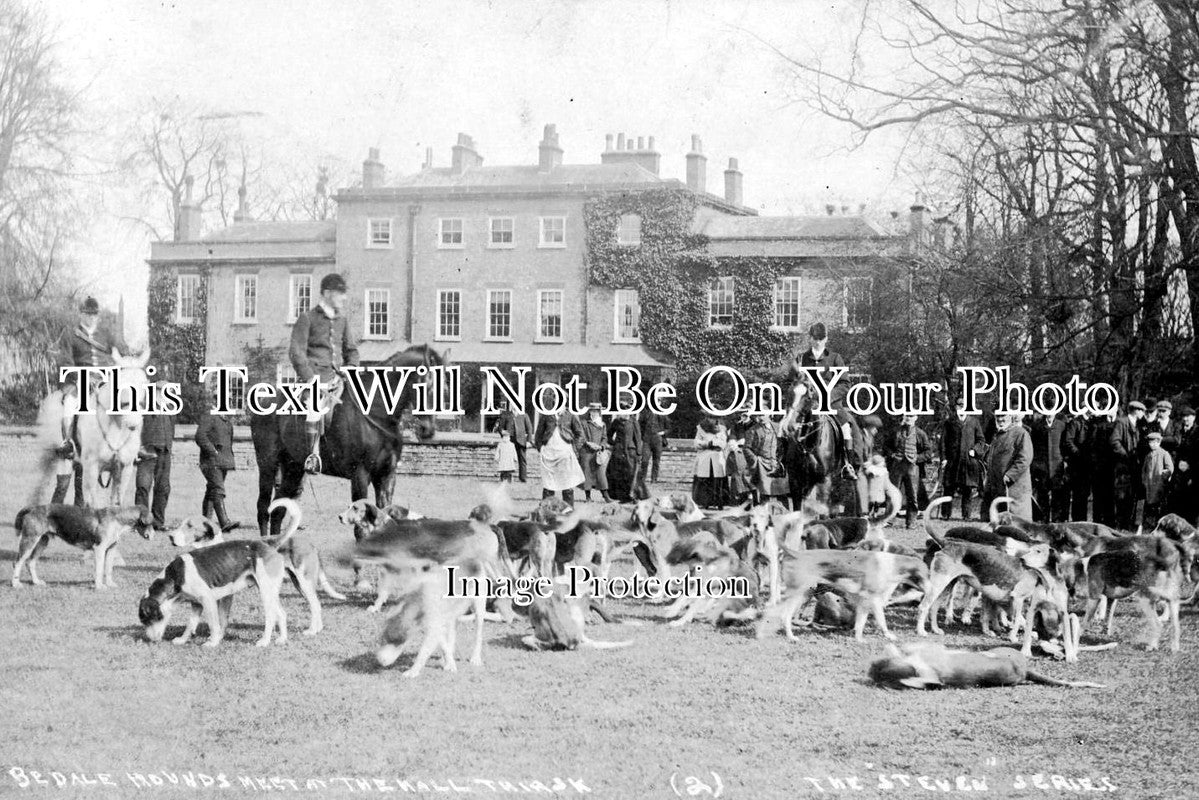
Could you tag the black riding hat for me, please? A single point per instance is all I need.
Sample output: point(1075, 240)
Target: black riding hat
point(333, 283)
point(90, 306)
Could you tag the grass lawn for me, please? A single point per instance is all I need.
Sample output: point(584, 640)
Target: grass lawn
point(83, 693)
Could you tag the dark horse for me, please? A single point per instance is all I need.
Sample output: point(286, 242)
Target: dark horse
point(364, 448)
point(810, 448)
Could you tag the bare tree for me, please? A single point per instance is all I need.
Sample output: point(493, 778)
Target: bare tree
point(1084, 116)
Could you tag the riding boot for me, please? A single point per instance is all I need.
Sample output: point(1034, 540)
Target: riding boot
point(546, 494)
point(604, 494)
point(222, 518)
point(568, 497)
point(312, 464)
point(61, 484)
point(206, 508)
point(587, 495)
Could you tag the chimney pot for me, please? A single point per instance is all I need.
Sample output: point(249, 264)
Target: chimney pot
point(620, 141)
point(651, 143)
point(464, 154)
point(732, 183)
point(862, 208)
point(549, 153)
point(428, 158)
point(640, 142)
point(830, 209)
point(607, 143)
point(697, 167)
point(372, 170)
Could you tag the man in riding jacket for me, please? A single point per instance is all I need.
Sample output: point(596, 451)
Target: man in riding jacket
point(323, 341)
point(89, 344)
point(820, 357)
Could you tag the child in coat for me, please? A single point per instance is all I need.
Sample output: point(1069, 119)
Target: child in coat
point(1155, 477)
point(505, 457)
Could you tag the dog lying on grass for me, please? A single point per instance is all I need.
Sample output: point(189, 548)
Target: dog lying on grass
point(934, 666)
point(559, 622)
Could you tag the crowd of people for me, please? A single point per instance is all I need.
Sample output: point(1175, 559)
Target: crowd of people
point(1123, 470)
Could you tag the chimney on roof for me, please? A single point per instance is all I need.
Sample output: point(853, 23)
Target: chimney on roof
point(428, 159)
point(697, 167)
point(243, 212)
point(187, 222)
point(732, 183)
point(830, 209)
point(464, 155)
point(628, 151)
point(372, 170)
point(918, 227)
point(549, 153)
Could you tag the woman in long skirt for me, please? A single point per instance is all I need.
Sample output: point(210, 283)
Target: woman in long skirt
point(708, 486)
point(625, 482)
point(594, 454)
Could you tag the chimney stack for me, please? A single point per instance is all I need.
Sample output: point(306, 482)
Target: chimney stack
point(549, 153)
point(732, 183)
point(918, 232)
point(697, 167)
point(631, 151)
point(243, 212)
point(372, 170)
point(428, 159)
point(830, 209)
point(187, 225)
point(464, 155)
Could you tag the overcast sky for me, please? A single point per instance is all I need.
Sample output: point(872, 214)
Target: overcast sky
point(340, 77)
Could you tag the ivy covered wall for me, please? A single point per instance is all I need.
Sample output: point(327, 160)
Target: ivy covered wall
point(182, 346)
point(671, 274)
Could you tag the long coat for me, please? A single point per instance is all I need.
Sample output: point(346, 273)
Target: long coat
point(1125, 443)
point(709, 456)
point(214, 435)
point(320, 344)
point(520, 430)
point(593, 442)
point(960, 437)
point(1008, 469)
point(567, 425)
point(1078, 448)
point(1047, 458)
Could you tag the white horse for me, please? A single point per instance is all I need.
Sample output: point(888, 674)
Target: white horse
point(106, 440)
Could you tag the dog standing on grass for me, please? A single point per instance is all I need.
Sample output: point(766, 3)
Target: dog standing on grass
point(97, 529)
point(414, 555)
point(207, 578)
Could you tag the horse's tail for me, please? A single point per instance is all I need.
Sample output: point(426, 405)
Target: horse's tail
point(293, 514)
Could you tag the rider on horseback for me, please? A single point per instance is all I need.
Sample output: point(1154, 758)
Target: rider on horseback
point(819, 357)
point(90, 344)
point(322, 341)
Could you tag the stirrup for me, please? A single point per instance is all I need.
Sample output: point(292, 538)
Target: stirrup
point(312, 464)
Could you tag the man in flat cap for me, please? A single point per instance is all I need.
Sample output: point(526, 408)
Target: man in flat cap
point(1182, 495)
point(89, 344)
point(1161, 420)
point(1126, 448)
point(323, 341)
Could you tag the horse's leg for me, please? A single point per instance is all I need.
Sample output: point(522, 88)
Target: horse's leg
point(91, 482)
point(266, 494)
point(291, 486)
